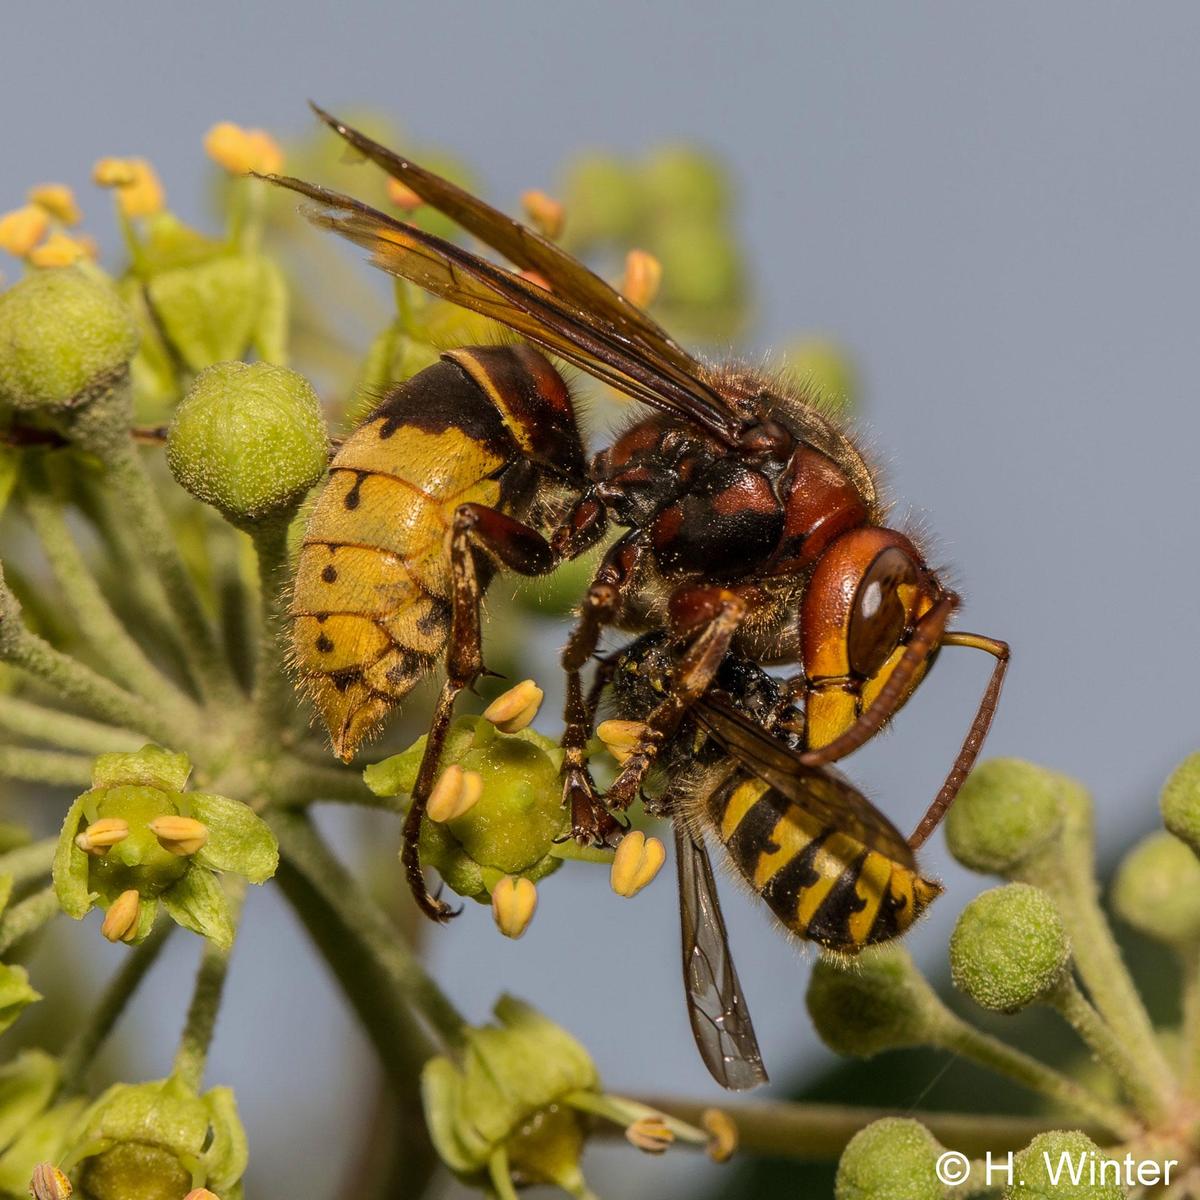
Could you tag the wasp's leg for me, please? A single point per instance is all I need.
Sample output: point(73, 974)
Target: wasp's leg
point(590, 821)
point(718, 612)
point(519, 548)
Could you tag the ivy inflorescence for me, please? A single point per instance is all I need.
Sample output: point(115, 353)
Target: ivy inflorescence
point(158, 448)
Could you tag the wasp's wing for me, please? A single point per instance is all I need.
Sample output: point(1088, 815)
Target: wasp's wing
point(580, 337)
point(522, 246)
point(821, 791)
point(718, 1013)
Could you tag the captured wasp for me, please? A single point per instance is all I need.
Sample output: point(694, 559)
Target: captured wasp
point(827, 863)
point(752, 523)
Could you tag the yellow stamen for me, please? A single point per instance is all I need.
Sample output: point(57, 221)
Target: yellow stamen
point(456, 792)
point(139, 190)
point(121, 920)
point(59, 250)
point(101, 835)
point(241, 151)
point(180, 835)
point(58, 200)
point(621, 738)
point(643, 275)
point(650, 1134)
point(22, 229)
point(402, 196)
point(637, 860)
point(511, 711)
point(546, 214)
point(49, 1183)
point(722, 1134)
point(514, 901)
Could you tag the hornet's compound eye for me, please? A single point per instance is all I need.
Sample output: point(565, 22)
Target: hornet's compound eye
point(881, 610)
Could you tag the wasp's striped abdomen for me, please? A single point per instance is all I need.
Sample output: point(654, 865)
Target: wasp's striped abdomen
point(823, 884)
point(371, 599)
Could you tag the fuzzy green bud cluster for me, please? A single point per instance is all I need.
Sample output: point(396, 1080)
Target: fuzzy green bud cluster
point(1041, 1171)
point(1157, 890)
point(878, 1001)
point(65, 336)
point(249, 439)
point(1009, 948)
point(158, 1141)
point(514, 826)
point(145, 856)
point(894, 1157)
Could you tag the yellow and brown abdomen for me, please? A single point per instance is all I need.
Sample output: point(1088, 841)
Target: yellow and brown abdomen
point(371, 600)
point(823, 884)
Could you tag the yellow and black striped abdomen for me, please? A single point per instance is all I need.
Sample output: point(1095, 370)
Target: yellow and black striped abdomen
point(822, 884)
point(371, 600)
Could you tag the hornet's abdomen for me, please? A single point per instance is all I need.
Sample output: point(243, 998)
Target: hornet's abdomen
point(822, 884)
point(371, 600)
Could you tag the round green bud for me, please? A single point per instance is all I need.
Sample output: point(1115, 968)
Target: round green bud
point(892, 1159)
point(65, 337)
point(1064, 1165)
point(681, 183)
point(1005, 812)
point(1009, 948)
point(249, 439)
point(700, 265)
point(1157, 890)
point(1180, 801)
point(602, 200)
point(878, 1001)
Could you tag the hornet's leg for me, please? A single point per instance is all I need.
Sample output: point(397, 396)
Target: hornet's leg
point(717, 613)
point(591, 823)
point(517, 547)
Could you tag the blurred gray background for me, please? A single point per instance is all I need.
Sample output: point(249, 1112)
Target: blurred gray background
point(992, 207)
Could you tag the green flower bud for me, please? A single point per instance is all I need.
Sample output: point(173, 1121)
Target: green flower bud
point(701, 266)
point(1157, 890)
point(156, 1141)
point(1009, 948)
point(681, 183)
point(888, 1160)
point(1180, 802)
point(137, 831)
point(1048, 1167)
point(65, 337)
point(511, 1092)
point(602, 200)
point(511, 826)
point(249, 439)
point(1005, 813)
point(826, 370)
point(879, 1001)
point(15, 994)
point(32, 1128)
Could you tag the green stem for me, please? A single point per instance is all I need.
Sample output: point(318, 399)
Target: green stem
point(274, 700)
point(24, 719)
point(306, 855)
point(73, 681)
point(1075, 1009)
point(45, 766)
point(104, 430)
point(80, 1051)
point(297, 783)
point(1068, 873)
point(206, 1000)
point(981, 1048)
point(1189, 961)
point(27, 917)
point(105, 635)
point(27, 863)
point(820, 1132)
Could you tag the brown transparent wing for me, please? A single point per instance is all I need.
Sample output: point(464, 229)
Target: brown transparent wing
point(720, 1019)
point(551, 321)
point(522, 246)
point(825, 793)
